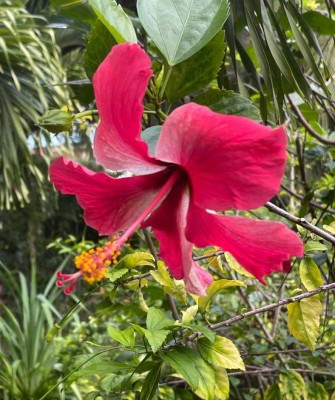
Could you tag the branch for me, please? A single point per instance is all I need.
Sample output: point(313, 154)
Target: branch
point(302, 222)
point(308, 127)
point(280, 303)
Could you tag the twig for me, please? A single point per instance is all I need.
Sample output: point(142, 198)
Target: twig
point(288, 351)
point(312, 203)
point(302, 222)
point(308, 127)
point(280, 303)
point(275, 370)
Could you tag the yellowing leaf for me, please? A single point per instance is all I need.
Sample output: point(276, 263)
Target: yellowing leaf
point(310, 274)
point(304, 320)
point(215, 288)
point(221, 383)
point(214, 262)
point(221, 353)
point(189, 314)
point(292, 385)
point(135, 260)
point(236, 266)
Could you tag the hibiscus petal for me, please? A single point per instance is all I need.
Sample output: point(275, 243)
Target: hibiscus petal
point(110, 204)
point(120, 84)
point(168, 223)
point(261, 247)
point(232, 162)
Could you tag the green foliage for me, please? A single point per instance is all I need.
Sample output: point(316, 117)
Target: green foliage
point(172, 25)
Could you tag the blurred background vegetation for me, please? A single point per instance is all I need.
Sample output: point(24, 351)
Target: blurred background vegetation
point(278, 54)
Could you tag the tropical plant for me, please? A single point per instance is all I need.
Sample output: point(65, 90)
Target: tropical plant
point(29, 64)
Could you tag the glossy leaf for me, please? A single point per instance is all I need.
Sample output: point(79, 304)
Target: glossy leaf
point(99, 44)
point(181, 29)
point(221, 353)
point(197, 71)
point(115, 19)
point(210, 335)
point(189, 314)
point(304, 320)
point(221, 383)
point(310, 274)
point(228, 102)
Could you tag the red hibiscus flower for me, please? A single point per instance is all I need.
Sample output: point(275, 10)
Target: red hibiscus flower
point(203, 161)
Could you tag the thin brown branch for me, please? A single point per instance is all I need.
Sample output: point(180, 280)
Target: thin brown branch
point(280, 303)
point(302, 222)
point(308, 127)
point(276, 370)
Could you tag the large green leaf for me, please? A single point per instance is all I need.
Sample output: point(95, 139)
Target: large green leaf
point(197, 71)
point(310, 274)
point(304, 320)
point(115, 19)
point(221, 353)
point(320, 23)
point(180, 29)
point(179, 359)
point(99, 44)
point(155, 338)
point(228, 102)
point(150, 383)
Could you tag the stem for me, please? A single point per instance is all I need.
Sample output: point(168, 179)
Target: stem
point(302, 222)
point(166, 80)
point(87, 113)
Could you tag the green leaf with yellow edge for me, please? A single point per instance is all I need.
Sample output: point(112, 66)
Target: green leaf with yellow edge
point(198, 71)
point(273, 393)
point(115, 19)
point(292, 385)
point(135, 260)
point(189, 314)
point(215, 288)
point(155, 338)
point(183, 361)
point(157, 320)
point(125, 337)
point(221, 383)
point(169, 285)
point(304, 320)
point(233, 264)
point(221, 353)
point(316, 391)
point(330, 228)
point(207, 384)
point(310, 274)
